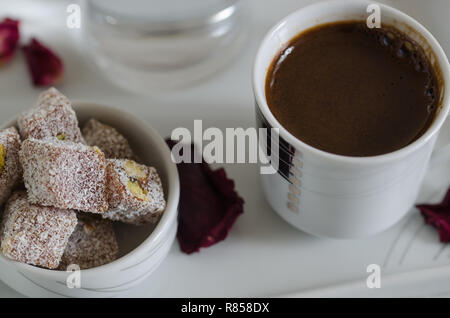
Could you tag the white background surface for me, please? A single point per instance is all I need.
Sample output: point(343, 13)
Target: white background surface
point(263, 255)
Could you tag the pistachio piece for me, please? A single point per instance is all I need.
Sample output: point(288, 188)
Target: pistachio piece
point(137, 191)
point(2, 157)
point(134, 170)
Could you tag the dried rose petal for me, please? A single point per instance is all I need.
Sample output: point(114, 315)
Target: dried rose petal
point(209, 205)
point(9, 37)
point(45, 67)
point(438, 215)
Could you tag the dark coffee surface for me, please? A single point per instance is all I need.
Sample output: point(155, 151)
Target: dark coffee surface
point(351, 90)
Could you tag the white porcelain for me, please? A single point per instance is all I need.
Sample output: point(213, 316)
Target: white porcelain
point(159, 45)
point(142, 248)
point(338, 196)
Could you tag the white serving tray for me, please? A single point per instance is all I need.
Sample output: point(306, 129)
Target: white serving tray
point(263, 255)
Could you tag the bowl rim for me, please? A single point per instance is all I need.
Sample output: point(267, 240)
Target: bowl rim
point(167, 220)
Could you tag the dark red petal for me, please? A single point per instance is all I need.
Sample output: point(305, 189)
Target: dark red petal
point(9, 37)
point(209, 205)
point(438, 215)
point(45, 67)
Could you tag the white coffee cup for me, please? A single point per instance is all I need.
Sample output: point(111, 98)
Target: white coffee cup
point(338, 196)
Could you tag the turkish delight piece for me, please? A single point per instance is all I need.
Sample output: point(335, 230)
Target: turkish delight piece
point(10, 168)
point(134, 192)
point(92, 244)
point(113, 144)
point(53, 116)
point(64, 174)
point(35, 234)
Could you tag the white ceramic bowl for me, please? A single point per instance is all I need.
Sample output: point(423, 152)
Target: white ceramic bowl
point(142, 248)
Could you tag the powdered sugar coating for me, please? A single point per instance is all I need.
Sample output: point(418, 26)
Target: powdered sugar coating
point(64, 174)
point(53, 116)
point(34, 234)
point(108, 139)
point(124, 206)
point(92, 244)
point(11, 172)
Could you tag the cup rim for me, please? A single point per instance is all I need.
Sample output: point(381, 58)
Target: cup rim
point(167, 220)
point(442, 63)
